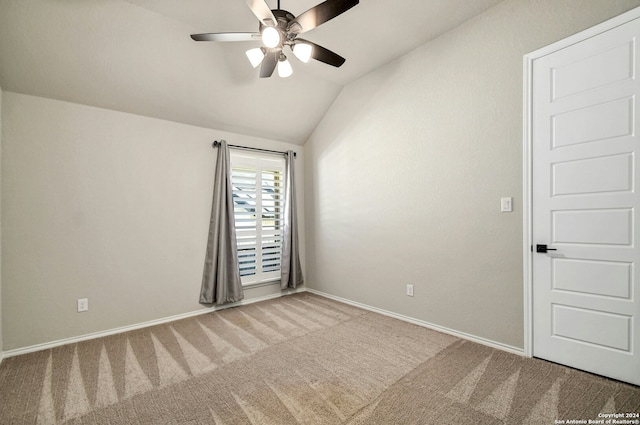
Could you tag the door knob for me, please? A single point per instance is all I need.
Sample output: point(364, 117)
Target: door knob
point(543, 248)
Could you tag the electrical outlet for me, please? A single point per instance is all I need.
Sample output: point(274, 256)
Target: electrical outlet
point(410, 290)
point(83, 304)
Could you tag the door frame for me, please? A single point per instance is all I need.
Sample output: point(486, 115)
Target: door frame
point(527, 158)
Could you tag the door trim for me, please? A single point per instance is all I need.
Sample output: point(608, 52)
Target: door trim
point(527, 158)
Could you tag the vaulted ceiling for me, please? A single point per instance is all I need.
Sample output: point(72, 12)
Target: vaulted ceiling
point(136, 56)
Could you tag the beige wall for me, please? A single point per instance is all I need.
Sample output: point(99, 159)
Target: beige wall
point(1, 340)
point(406, 171)
point(105, 205)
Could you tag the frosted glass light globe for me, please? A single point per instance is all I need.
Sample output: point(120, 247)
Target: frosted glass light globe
point(302, 51)
point(284, 68)
point(270, 37)
point(255, 56)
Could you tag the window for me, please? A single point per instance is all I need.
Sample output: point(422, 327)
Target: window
point(258, 192)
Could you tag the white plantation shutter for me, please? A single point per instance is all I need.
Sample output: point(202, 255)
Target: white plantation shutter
point(257, 182)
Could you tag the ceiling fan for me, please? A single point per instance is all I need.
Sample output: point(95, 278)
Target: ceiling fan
point(279, 28)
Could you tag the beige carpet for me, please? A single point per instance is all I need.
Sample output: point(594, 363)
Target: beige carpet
point(301, 359)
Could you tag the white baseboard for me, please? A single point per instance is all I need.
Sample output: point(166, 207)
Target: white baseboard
point(463, 335)
point(72, 340)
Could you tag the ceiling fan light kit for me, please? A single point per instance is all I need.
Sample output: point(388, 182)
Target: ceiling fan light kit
point(284, 67)
point(255, 56)
point(270, 37)
point(279, 28)
point(302, 51)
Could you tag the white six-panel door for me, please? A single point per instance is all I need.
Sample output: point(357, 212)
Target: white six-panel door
point(585, 204)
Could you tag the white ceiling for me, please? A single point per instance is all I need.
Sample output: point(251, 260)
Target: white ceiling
point(136, 56)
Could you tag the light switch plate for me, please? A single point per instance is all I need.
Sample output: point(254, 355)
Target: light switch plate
point(506, 204)
point(410, 290)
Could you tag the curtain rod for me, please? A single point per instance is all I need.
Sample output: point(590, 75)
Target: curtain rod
point(216, 144)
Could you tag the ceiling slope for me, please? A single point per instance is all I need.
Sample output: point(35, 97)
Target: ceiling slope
point(136, 56)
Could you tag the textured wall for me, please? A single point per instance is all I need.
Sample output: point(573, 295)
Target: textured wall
point(406, 171)
point(1, 339)
point(106, 205)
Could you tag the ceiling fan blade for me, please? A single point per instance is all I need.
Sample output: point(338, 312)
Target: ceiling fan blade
point(324, 55)
point(320, 14)
point(269, 64)
point(262, 11)
point(227, 36)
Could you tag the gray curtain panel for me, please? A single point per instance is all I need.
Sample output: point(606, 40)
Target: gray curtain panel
point(221, 278)
point(291, 271)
